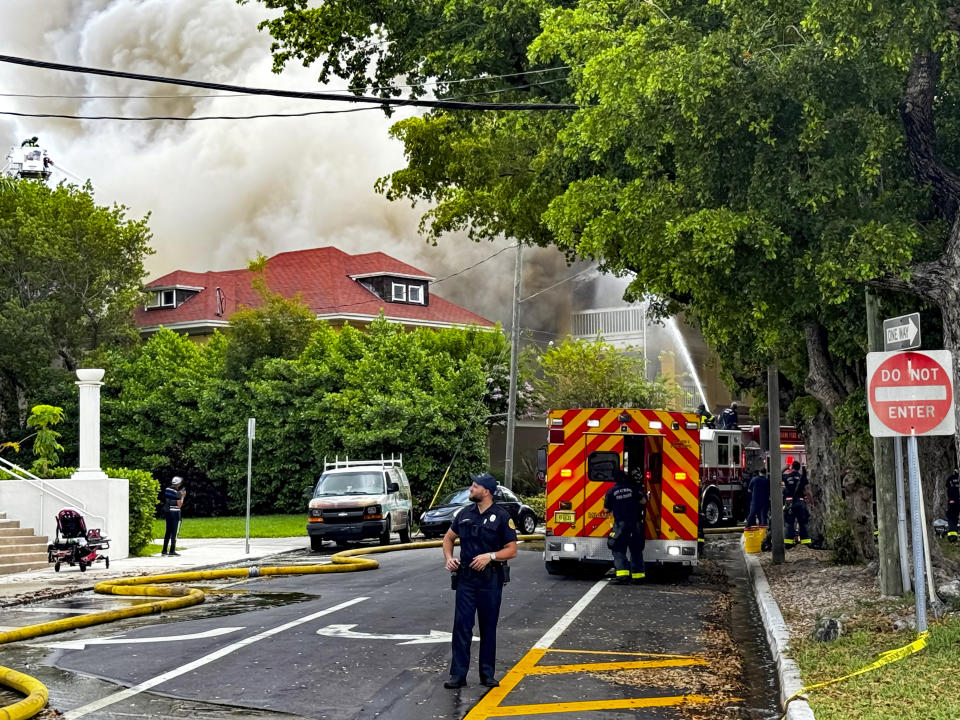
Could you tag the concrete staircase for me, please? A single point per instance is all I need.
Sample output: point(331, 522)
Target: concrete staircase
point(20, 549)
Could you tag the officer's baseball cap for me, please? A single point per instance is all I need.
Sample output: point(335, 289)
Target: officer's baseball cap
point(176, 480)
point(485, 480)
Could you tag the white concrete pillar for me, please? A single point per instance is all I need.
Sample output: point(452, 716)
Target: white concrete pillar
point(89, 465)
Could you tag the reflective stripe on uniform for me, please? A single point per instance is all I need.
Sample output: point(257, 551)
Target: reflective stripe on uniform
point(622, 573)
point(638, 576)
point(805, 541)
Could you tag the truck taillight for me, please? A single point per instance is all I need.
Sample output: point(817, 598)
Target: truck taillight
point(556, 436)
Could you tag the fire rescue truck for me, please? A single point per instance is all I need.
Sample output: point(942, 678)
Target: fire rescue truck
point(728, 459)
point(658, 448)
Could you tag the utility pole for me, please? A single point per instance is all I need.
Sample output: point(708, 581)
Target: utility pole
point(514, 349)
point(776, 492)
point(884, 473)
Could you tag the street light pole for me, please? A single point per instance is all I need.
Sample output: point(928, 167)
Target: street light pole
point(514, 349)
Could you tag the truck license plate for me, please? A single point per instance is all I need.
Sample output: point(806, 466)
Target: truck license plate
point(564, 517)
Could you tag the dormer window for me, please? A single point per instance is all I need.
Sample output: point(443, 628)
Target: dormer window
point(166, 298)
point(400, 289)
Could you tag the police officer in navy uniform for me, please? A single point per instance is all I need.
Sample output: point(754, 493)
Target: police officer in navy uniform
point(488, 539)
point(953, 504)
point(795, 513)
point(626, 503)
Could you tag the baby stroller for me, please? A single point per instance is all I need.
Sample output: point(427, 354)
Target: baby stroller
point(74, 544)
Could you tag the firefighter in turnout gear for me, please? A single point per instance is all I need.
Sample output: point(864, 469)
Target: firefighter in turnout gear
point(953, 504)
point(626, 501)
point(795, 513)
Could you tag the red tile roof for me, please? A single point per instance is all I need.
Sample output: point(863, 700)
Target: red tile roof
point(324, 279)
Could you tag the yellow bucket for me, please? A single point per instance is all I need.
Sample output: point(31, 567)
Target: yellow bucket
point(753, 538)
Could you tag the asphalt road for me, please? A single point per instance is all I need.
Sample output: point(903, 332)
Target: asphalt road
point(375, 644)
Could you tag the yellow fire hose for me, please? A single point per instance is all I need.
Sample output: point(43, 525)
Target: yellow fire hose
point(174, 598)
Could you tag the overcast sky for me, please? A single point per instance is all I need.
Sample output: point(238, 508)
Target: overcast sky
point(221, 191)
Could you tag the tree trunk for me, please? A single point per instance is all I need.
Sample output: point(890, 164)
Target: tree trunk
point(839, 478)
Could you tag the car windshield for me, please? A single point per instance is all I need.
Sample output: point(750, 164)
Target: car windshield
point(362, 482)
point(457, 497)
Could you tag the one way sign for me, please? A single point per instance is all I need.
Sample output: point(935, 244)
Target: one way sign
point(901, 333)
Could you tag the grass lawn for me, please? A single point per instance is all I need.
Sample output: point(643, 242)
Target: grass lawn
point(919, 687)
point(261, 526)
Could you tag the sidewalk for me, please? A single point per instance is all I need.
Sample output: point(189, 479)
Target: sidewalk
point(195, 554)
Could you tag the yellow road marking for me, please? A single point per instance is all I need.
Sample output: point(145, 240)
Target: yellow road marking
point(586, 705)
point(617, 652)
point(608, 666)
point(489, 705)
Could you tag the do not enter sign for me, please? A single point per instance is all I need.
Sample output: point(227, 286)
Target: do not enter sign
point(910, 393)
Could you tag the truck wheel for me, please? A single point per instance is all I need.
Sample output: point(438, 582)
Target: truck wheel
point(712, 511)
point(405, 533)
point(385, 535)
point(316, 543)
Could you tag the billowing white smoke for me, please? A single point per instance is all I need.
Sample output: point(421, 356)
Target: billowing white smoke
point(220, 191)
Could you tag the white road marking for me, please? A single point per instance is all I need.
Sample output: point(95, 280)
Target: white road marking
point(116, 640)
point(550, 637)
point(346, 631)
point(200, 662)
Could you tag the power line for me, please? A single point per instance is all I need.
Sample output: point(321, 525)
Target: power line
point(556, 284)
point(478, 78)
point(471, 267)
point(182, 118)
point(398, 102)
point(192, 118)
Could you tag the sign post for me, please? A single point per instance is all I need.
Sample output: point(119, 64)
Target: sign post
point(911, 394)
point(251, 433)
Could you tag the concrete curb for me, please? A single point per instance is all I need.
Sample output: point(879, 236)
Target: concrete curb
point(778, 638)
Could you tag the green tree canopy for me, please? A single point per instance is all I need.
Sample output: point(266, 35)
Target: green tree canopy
point(70, 275)
point(279, 327)
point(582, 373)
point(754, 163)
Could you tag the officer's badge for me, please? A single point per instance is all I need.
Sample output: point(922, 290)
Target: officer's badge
point(492, 519)
point(511, 525)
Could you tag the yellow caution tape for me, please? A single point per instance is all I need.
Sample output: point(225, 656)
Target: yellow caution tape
point(884, 658)
point(178, 596)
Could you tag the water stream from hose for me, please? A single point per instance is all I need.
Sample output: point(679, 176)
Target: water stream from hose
point(685, 351)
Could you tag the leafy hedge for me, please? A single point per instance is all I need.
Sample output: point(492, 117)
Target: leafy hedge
point(171, 406)
point(538, 503)
point(144, 490)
